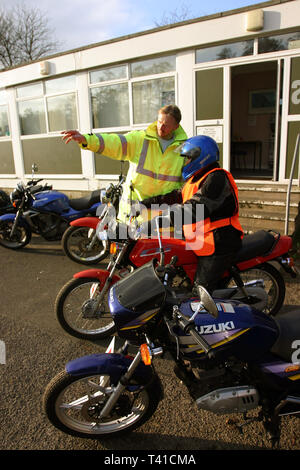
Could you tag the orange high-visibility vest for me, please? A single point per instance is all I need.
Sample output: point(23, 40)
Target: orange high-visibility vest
point(199, 235)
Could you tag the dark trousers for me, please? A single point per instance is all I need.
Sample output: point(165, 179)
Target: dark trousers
point(210, 270)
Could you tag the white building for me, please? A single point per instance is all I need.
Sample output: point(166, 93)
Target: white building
point(234, 75)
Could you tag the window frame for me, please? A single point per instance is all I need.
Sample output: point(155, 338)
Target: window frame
point(130, 81)
point(43, 95)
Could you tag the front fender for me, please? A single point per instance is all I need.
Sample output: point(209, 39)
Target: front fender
point(11, 217)
point(114, 365)
point(100, 274)
point(90, 222)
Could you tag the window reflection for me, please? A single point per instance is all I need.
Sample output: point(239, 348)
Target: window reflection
point(279, 43)
point(153, 66)
point(4, 127)
point(58, 85)
point(110, 106)
point(149, 96)
point(62, 112)
point(32, 117)
point(111, 73)
point(224, 51)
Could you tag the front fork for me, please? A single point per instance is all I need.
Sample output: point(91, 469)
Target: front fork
point(100, 297)
point(15, 224)
point(123, 383)
point(125, 379)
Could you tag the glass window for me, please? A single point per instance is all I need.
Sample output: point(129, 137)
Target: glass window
point(153, 66)
point(4, 127)
point(3, 97)
point(30, 90)
point(110, 106)
point(279, 43)
point(149, 96)
point(62, 112)
point(32, 117)
point(112, 73)
point(59, 85)
point(224, 51)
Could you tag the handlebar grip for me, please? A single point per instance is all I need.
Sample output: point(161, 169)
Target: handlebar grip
point(189, 327)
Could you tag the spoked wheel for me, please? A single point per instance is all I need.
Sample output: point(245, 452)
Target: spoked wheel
point(80, 245)
point(21, 237)
point(76, 311)
point(273, 283)
point(73, 404)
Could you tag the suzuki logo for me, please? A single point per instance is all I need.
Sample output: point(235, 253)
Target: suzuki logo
point(216, 328)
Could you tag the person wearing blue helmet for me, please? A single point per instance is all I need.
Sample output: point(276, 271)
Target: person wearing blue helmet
point(216, 228)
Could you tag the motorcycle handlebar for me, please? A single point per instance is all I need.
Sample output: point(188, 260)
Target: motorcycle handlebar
point(189, 327)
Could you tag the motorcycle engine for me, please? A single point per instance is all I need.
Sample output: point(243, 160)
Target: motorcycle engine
point(237, 399)
point(220, 389)
point(226, 391)
point(49, 226)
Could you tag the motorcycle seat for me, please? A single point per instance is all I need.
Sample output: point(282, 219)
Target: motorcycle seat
point(83, 203)
point(289, 331)
point(255, 244)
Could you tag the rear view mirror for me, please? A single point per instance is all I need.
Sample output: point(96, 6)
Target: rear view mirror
point(207, 302)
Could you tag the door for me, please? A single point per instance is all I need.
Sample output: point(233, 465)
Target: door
point(255, 120)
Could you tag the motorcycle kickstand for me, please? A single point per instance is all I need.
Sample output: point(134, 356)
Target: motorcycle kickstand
point(247, 420)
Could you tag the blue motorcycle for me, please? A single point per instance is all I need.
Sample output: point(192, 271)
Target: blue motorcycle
point(42, 211)
point(231, 357)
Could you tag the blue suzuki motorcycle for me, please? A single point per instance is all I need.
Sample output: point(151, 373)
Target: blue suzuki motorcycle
point(231, 357)
point(44, 212)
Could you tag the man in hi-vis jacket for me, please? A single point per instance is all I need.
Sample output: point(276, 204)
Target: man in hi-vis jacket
point(154, 167)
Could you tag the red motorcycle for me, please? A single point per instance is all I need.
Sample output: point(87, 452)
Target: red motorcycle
point(81, 305)
point(80, 242)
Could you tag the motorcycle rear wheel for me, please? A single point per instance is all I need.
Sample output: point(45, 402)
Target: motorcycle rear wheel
point(73, 405)
point(21, 238)
point(75, 243)
point(73, 310)
point(274, 285)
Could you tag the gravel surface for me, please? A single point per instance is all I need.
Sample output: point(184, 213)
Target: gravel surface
point(37, 349)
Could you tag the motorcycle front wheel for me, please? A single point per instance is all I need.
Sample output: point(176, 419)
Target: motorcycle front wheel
point(273, 282)
point(74, 308)
point(73, 404)
point(21, 237)
point(76, 243)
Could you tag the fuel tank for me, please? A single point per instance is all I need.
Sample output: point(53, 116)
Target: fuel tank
point(147, 249)
point(51, 201)
point(238, 330)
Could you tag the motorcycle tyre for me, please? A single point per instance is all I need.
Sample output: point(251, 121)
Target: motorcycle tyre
point(89, 262)
point(59, 311)
point(278, 280)
point(63, 380)
point(15, 245)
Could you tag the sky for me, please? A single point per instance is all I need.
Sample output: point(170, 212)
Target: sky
point(78, 23)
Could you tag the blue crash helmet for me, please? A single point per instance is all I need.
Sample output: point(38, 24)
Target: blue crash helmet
point(202, 150)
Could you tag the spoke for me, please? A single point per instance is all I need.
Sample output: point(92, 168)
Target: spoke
point(76, 404)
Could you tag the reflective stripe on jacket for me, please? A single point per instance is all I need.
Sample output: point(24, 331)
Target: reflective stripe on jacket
point(151, 172)
point(199, 235)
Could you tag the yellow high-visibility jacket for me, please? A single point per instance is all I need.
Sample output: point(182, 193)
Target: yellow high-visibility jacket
point(151, 172)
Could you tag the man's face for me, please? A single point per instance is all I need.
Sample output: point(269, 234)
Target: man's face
point(166, 125)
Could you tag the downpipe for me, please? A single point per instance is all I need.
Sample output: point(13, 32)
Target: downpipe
point(289, 400)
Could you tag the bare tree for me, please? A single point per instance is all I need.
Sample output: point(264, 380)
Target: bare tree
point(24, 36)
point(175, 16)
